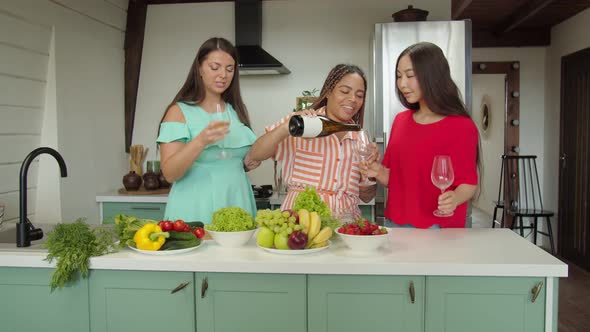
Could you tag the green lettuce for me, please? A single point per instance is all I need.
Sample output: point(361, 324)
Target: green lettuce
point(311, 201)
point(231, 219)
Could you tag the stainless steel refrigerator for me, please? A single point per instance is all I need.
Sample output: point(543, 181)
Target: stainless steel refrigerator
point(390, 39)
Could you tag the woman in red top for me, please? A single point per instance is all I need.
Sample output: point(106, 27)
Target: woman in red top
point(436, 123)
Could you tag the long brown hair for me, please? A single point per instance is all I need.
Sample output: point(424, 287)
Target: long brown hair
point(193, 90)
point(335, 75)
point(439, 91)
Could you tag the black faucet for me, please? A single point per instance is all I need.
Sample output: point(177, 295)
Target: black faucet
point(25, 231)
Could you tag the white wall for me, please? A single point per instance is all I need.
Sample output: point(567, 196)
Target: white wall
point(492, 141)
point(24, 58)
point(308, 36)
point(566, 38)
point(532, 100)
point(80, 91)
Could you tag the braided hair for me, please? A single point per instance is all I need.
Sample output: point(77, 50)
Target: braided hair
point(335, 76)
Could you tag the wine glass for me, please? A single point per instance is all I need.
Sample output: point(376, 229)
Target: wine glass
point(224, 117)
point(442, 177)
point(363, 149)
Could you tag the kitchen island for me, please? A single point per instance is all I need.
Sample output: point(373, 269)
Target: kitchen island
point(422, 280)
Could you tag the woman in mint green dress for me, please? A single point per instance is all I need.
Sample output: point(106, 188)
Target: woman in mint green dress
point(204, 157)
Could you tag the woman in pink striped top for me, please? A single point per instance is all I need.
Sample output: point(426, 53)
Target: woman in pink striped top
point(326, 163)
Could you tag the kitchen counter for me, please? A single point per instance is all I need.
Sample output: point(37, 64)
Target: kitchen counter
point(447, 252)
point(115, 197)
point(421, 278)
point(152, 206)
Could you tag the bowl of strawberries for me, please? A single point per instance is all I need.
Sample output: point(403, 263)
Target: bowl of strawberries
point(363, 235)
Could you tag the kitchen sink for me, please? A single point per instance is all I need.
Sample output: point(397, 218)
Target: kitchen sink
point(8, 238)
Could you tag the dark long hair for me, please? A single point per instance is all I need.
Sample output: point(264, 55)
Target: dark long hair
point(439, 91)
point(193, 89)
point(335, 75)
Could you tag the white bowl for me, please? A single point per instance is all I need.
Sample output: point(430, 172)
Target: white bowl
point(364, 242)
point(231, 239)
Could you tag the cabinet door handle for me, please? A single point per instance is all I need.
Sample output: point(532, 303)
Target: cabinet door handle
point(412, 292)
point(204, 286)
point(536, 290)
point(179, 287)
point(154, 208)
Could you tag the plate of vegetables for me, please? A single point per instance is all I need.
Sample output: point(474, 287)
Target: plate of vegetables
point(166, 252)
point(167, 238)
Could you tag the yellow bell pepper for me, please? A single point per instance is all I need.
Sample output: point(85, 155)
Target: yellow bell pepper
point(150, 237)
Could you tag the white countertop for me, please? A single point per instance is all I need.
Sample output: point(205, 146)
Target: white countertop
point(448, 252)
point(114, 196)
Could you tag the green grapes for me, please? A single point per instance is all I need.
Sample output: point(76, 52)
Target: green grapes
point(278, 221)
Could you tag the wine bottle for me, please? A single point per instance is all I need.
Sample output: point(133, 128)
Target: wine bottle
point(303, 126)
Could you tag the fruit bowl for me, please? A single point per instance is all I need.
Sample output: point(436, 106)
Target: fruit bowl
point(364, 242)
point(231, 239)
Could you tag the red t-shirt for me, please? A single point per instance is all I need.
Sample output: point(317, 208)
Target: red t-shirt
point(409, 155)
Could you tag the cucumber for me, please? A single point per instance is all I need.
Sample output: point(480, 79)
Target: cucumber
point(180, 244)
point(184, 236)
point(195, 224)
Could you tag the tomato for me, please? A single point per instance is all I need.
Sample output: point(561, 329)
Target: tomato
point(199, 232)
point(187, 229)
point(179, 225)
point(166, 225)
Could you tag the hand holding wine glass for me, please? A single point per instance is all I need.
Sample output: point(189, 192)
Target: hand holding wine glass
point(442, 176)
point(223, 118)
point(364, 149)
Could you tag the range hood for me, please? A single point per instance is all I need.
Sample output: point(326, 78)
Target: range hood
point(252, 58)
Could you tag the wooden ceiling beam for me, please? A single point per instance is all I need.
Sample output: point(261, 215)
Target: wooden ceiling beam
point(515, 38)
point(460, 8)
point(525, 12)
point(134, 33)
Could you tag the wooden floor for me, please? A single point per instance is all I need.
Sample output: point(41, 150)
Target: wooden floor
point(574, 301)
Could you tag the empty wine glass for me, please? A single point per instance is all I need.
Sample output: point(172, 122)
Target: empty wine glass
point(442, 177)
point(363, 149)
point(224, 117)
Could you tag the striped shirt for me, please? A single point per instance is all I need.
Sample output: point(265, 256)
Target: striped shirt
point(326, 163)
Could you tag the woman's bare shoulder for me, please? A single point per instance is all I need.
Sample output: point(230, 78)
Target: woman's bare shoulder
point(174, 114)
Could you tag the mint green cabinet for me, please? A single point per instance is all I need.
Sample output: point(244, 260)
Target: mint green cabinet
point(230, 302)
point(154, 211)
point(119, 300)
point(29, 305)
point(367, 212)
point(365, 303)
point(484, 304)
point(141, 301)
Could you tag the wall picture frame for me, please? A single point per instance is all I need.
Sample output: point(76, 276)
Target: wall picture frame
point(486, 115)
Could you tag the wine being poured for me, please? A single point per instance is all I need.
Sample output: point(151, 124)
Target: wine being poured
point(362, 147)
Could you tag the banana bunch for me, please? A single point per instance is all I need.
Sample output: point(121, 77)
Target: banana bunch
point(311, 222)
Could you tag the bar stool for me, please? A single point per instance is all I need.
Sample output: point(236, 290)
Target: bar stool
point(499, 202)
point(524, 195)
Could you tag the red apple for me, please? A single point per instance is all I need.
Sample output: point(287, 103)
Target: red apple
point(297, 240)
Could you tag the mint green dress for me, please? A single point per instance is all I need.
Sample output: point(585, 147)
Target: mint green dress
point(211, 183)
